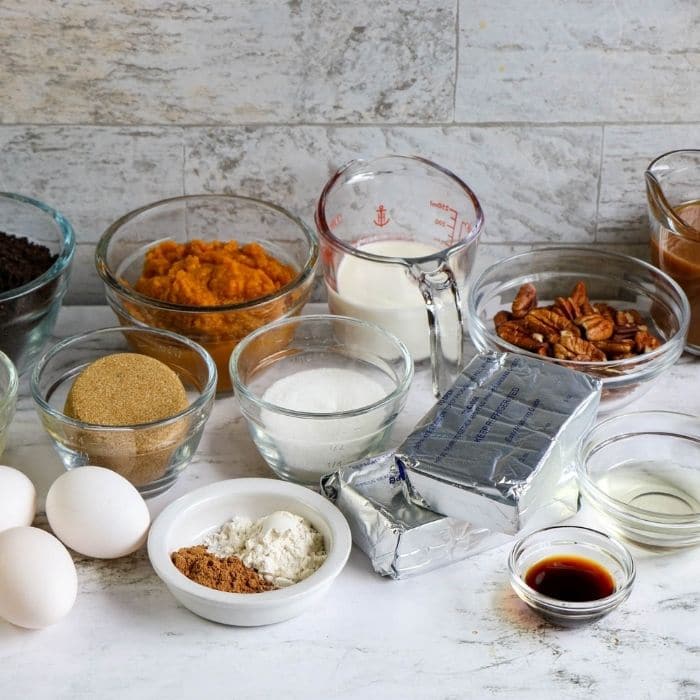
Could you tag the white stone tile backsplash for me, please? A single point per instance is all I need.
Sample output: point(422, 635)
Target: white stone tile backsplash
point(550, 111)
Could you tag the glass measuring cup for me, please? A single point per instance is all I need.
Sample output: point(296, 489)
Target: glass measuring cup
point(673, 198)
point(398, 239)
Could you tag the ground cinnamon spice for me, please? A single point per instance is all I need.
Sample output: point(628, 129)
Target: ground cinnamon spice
point(230, 574)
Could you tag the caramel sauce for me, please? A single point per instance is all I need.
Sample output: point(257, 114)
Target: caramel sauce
point(570, 578)
point(680, 258)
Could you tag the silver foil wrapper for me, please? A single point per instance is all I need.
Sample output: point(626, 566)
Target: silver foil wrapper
point(500, 443)
point(400, 538)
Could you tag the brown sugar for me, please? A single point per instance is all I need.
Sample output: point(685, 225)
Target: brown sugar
point(125, 389)
point(230, 574)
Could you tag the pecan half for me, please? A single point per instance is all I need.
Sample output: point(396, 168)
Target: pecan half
point(567, 307)
point(514, 334)
point(554, 320)
point(628, 317)
point(525, 299)
point(605, 310)
point(596, 327)
point(583, 349)
point(501, 317)
point(615, 347)
point(579, 294)
point(645, 341)
point(538, 327)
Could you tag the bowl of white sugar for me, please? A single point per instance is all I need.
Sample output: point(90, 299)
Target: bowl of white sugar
point(319, 392)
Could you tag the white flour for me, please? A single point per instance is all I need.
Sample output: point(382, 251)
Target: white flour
point(284, 548)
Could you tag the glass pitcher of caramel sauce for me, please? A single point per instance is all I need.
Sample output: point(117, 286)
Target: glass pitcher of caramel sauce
point(673, 197)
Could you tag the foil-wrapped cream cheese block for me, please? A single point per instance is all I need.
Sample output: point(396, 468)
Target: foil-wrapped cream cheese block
point(400, 538)
point(496, 446)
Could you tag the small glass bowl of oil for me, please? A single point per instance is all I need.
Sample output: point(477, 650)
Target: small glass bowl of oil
point(571, 575)
point(641, 472)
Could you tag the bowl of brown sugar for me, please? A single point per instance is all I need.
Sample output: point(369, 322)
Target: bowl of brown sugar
point(133, 400)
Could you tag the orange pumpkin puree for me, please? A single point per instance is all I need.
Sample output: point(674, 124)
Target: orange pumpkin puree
point(214, 273)
point(211, 273)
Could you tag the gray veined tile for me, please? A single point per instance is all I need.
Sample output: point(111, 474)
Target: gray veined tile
point(628, 150)
point(578, 61)
point(228, 62)
point(535, 184)
point(92, 176)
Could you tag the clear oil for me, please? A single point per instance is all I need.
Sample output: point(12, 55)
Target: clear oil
point(657, 486)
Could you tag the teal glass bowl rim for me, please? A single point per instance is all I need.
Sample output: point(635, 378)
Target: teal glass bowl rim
point(10, 393)
point(64, 257)
point(108, 277)
point(400, 390)
point(206, 395)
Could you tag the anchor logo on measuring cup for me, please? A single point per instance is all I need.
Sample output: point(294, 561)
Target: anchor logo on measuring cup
point(382, 219)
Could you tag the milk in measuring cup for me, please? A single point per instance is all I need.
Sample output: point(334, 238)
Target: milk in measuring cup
point(386, 294)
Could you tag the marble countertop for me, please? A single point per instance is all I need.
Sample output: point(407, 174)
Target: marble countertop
point(453, 633)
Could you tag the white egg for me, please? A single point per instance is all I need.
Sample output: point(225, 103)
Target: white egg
point(17, 499)
point(38, 581)
point(97, 512)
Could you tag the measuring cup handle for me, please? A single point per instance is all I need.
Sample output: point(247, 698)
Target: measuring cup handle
point(443, 305)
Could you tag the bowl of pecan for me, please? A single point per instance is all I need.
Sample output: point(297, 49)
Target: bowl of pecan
point(612, 316)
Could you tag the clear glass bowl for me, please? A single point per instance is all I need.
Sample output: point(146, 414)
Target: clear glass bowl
point(149, 455)
point(28, 313)
point(8, 396)
point(303, 445)
point(121, 250)
point(641, 472)
point(579, 542)
point(620, 280)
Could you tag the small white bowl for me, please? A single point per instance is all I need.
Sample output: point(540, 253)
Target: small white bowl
point(187, 521)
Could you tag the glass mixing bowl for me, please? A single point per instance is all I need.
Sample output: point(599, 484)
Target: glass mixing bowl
point(619, 280)
point(641, 472)
point(149, 455)
point(8, 397)
point(302, 444)
point(120, 257)
point(28, 313)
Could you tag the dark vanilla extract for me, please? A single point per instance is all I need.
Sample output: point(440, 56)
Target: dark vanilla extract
point(570, 578)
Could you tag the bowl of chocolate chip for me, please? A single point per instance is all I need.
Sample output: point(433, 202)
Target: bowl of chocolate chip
point(610, 315)
point(37, 245)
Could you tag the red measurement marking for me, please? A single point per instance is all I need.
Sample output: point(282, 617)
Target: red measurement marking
point(333, 223)
point(465, 229)
point(447, 222)
point(382, 219)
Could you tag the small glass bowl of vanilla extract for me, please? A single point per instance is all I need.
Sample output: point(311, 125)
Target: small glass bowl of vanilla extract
point(571, 575)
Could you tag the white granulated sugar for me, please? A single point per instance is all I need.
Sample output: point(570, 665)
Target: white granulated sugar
point(284, 548)
point(309, 446)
